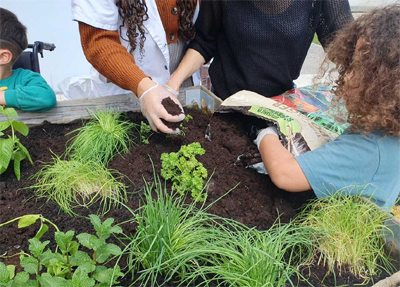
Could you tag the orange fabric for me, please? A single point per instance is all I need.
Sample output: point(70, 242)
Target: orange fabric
point(104, 51)
point(170, 18)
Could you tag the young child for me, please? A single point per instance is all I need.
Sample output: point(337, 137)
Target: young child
point(365, 160)
point(19, 88)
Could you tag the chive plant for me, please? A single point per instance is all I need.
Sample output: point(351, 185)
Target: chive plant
point(101, 138)
point(246, 257)
point(76, 183)
point(171, 240)
point(348, 232)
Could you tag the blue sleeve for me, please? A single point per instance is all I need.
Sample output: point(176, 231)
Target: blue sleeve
point(347, 164)
point(31, 93)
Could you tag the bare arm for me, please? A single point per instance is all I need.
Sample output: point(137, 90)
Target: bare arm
point(191, 62)
point(283, 169)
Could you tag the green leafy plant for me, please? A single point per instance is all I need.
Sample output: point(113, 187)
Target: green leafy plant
point(68, 265)
point(186, 173)
point(145, 132)
point(348, 232)
point(11, 148)
point(75, 183)
point(101, 138)
point(182, 127)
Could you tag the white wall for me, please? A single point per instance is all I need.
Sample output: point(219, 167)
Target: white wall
point(51, 21)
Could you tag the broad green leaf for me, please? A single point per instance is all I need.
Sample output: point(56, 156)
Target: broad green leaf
point(5, 274)
point(80, 278)
point(107, 275)
point(6, 151)
point(80, 258)
point(18, 157)
point(46, 280)
point(10, 113)
point(42, 230)
point(4, 125)
point(23, 149)
point(28, 220)
point(22, 280)
point(30, 264)
point(49, 258)
point(105, 251)
point(20, 127)
point(90, 241)
point(36, 247)
point(64, 240)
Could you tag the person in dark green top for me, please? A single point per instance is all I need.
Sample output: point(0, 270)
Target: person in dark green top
point(20, 88)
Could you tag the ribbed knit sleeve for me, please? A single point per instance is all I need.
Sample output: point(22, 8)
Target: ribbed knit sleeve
point(334, 15)
point(208, 26)
point(104, 51)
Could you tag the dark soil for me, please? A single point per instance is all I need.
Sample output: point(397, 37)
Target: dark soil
point(174, 110)
point(252, 200)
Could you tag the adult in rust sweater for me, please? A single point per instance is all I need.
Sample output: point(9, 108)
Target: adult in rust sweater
point(136, 44)
point(258, 45)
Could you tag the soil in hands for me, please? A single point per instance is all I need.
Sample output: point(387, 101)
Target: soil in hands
point(253, 199)
point(174, 110)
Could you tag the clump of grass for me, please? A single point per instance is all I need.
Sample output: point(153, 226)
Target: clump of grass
point(246, 257)
point(175, 241)
point(101, 138)
point(348, 232)
point(76, 183)
point(171, 240)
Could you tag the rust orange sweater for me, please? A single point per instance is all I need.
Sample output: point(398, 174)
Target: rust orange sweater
point(104, 51)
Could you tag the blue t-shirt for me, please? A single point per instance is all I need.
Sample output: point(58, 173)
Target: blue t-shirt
point(355, 164)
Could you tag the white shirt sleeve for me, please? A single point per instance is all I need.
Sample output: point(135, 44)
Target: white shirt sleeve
point(101, 14)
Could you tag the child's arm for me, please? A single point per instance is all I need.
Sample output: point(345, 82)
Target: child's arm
point(32, 93)
point(283, 169)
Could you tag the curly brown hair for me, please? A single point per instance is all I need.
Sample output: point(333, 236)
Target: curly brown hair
point(134, 13)
point(367, 57)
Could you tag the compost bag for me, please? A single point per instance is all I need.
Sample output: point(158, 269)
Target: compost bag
point(301, 119)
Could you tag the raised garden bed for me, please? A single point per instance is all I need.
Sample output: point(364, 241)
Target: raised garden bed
point(254, 201)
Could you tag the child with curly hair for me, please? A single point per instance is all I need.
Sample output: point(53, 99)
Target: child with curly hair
point(365, 160)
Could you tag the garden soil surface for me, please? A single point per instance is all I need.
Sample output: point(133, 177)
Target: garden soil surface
point(236, 192)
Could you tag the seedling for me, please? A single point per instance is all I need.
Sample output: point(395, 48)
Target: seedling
point(182, 127)
point(75, 183)
point(186, 173)
point(11, 148)
point(348, 231)
point(69, 264)
point(101, 138)
point(145, 132)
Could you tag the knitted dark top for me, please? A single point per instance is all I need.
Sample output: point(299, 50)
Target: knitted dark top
point(261, 45)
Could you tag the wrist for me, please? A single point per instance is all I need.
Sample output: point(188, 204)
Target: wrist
point(175, 81)
point(144, 85)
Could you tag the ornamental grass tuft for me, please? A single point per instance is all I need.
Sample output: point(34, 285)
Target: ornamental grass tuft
point(75, 183)
point(349, 235)
point(101, 138)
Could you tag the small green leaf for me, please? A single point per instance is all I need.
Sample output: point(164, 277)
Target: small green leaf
point(42, 230)
point(80, 278)
point(18, 157)
point(20, 127)
point(10, 113)
point(108, 276)
point(46, 280)
point(28, 220)
point(6, 273)
point(4, 125)
point(105, 251)
point(30, 264)
point(89, 241)
point(6, 151)
point(24, 150)
point(36, 247)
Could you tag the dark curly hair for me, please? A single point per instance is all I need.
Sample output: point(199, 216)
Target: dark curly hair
point(367, 57)
point(134, 12)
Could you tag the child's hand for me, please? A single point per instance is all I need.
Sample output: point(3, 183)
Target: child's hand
point(262, 133)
